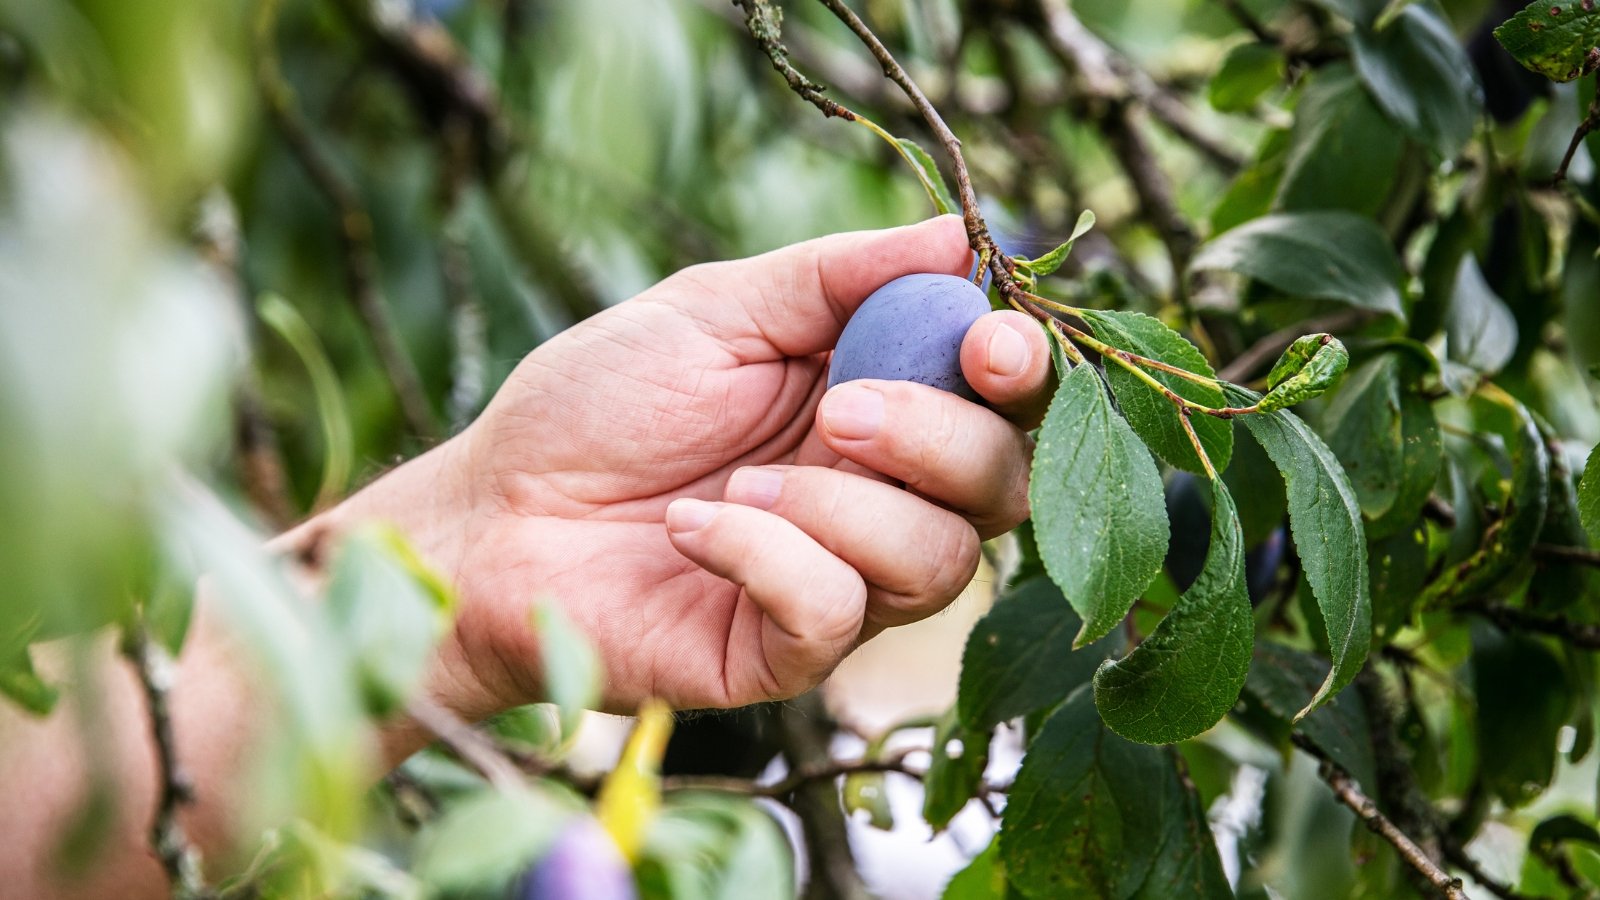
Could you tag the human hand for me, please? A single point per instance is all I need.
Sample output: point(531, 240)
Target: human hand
point(672, 472)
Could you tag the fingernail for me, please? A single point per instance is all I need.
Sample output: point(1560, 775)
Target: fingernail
point(1008, 352)
point(754, 487)
point(687, 514)
point(852, 412)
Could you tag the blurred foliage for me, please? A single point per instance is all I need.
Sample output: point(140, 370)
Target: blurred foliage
point(251, 254)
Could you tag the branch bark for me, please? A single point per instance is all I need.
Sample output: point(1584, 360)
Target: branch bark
point(1348, 793)
point(178, 855)
point(466, 742)
point(353, 225)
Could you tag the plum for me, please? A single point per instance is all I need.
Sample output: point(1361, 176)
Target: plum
point(583, 864)
point(910, 330)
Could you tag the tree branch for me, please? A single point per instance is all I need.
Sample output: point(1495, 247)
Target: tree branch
point(353, 225)
point(1117, 110)
point(471, 745)
point(1591, 122)
point(179, 857)
point(1510, 618)
point(1348, 793)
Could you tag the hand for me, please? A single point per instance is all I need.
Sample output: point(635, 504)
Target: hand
point(672, 472)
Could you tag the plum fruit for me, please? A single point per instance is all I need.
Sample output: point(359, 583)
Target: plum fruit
point(583, 864)
point(910, 330)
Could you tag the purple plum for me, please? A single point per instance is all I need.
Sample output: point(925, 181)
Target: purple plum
point(583, 864)
point(910, 330)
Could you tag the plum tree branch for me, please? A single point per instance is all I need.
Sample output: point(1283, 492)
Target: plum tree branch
point(178, 855)
point(1590, 123)
point(467, 742)
point(1349, 793)
point(1511, 618)
point(353, 224)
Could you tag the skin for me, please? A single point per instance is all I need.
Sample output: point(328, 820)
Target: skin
point(674, 474)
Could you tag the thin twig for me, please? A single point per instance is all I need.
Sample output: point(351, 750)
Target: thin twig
point(1591, 122)
point(1113, 106)
point(353, 224)
point(471, 745)
point(1510, 618)
point(1458, 857)
point(1348, 793)
point(1258, 355)
point(178, 855)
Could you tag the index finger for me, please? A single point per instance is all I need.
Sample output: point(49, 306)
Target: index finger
point(794, 301)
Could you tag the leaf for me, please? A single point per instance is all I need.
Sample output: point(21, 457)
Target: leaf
point(1589, 495)
point(1019, 659)
point(982, 879)
point(1421, 76)
point(1482, 331)
point(572, 675)
point(1508, 540)
point(22, 684)
point(488, 837)
point(1252, 192)
point(1248, 71)
point(387, 620)
point(1153, 417)
point(1186, 675)
point(715, 847)
point(1330, 255)
point(1098, 514)
point(1420, 459)
point(1048, 263)
point(868, 792)
point(1343, 152)
point(630, 797)
point(1523, 698)
point(1283, 679)
point(1359, 12)
point(928, 174)
point(1326, 521)
point(1093, 815)
point(1307, 369)
point(955, 774)
point(1398, 569)
point(1553, 37)
point(338, 441)
point(1365, 433)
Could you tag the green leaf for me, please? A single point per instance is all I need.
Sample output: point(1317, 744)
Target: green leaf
point(1523, 697)
point(1482, 331)
point(928, 174)
point(1186, 675)
point(1307, 369)
point(955, 774)
point(337, 439)
point(1398, 568)
point(1252, 192)
point(1507, 542)
point(1553, 37)
point(868, 792)
point(1420, 75)
point(1283, 679)
point(1326, 521)
point(1365, 433)
point(1343, 151)
point(1093, 815)
point(1098, 513)
point(1420, 459)
point(1019, 659)
point(1360, 12)
point(1589, 495)
point(1048, 263)
point(485, 839)
point(386, 618)
point(23, 685)
point(1334, 256)
point(715, 847)
point(1153, 417)
point(572, 675)
point(982, 879)
point(1248, 71)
